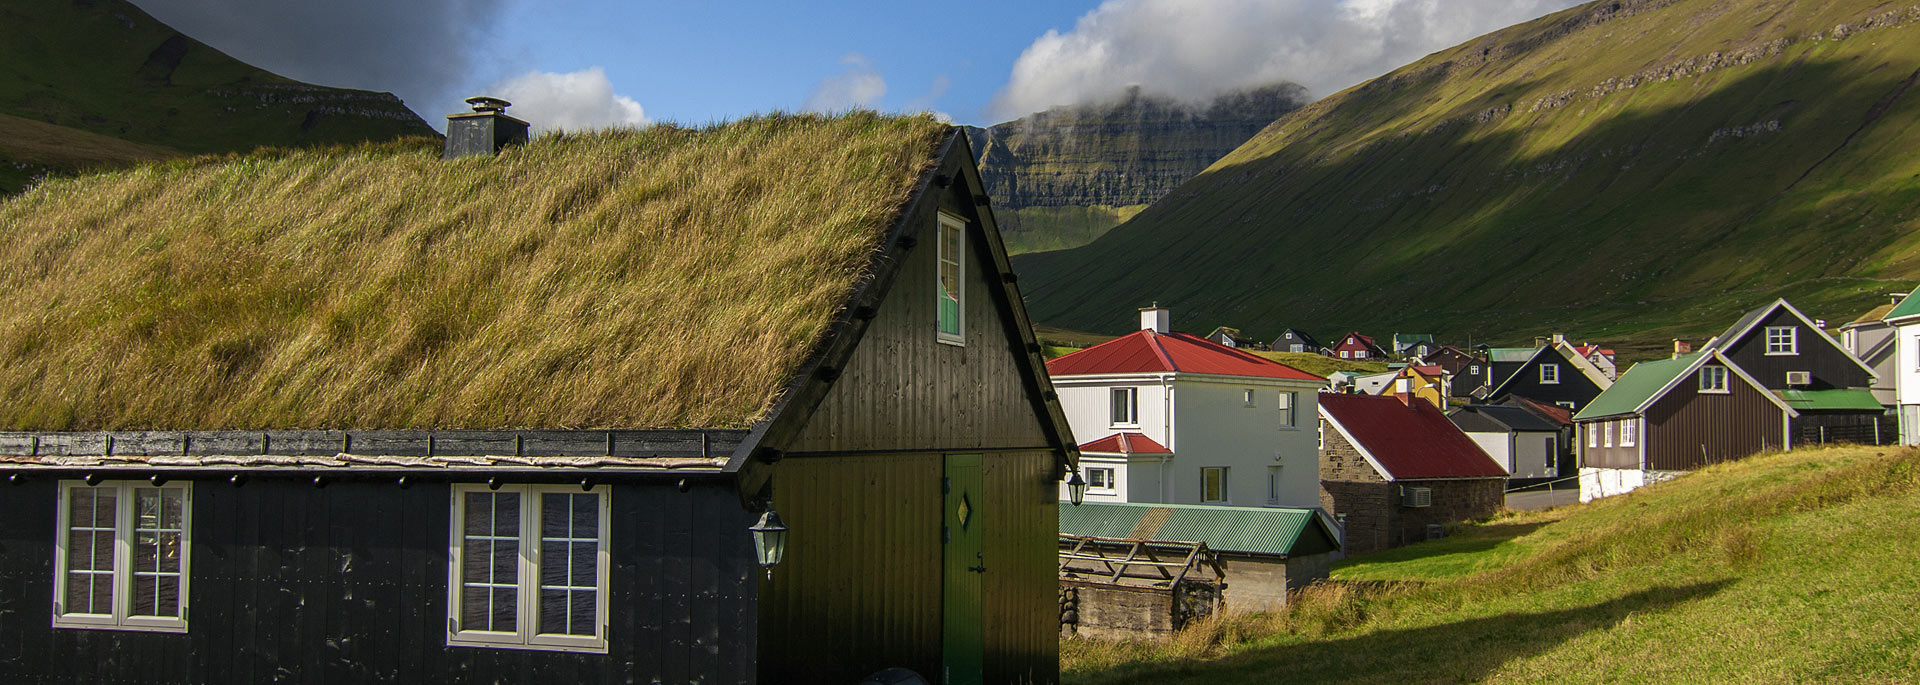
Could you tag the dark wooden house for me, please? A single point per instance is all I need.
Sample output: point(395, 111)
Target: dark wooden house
point(1676, 415)
point(1232, 337)
point(1357, 346)
point(1832, 389)
point(1469, 372)
point(1395, 471)
point(1296, 340)
point(1554, 374)
point(377, 417)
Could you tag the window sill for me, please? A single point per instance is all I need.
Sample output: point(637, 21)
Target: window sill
point(1134, 426)
point(180, 628)
point(1780, 354)
point(599, 648)
point(1716, 392)
point(950, 341)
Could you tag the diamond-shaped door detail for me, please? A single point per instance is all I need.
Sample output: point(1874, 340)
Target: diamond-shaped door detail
point(964, 512)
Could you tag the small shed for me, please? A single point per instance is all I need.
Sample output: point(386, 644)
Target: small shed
point(1263, 551)
point(1396, 471)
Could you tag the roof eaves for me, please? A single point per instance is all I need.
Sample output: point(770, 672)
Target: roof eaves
point(1357, 445)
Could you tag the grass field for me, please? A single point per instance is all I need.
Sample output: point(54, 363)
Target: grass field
point(1786, 567)
point(1322, 365)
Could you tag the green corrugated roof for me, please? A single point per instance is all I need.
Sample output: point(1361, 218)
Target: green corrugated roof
point(1253, 530)
point(1511, 354)
point(1845, 398)
point(1636, 385)
point(1909, 306)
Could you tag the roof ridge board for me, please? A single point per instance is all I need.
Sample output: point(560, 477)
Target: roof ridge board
point(1153, 343)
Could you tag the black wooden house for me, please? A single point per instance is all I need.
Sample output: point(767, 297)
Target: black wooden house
point(338, 417)
point(1555, 374)
point(1789, 354)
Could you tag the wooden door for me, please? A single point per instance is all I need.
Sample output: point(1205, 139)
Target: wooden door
point(962, 639)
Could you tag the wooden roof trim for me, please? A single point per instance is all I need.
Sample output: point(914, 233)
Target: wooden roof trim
point(1725, 341)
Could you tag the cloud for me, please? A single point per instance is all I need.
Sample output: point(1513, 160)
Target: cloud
point(1193, 50)
point(420, 50)
point(573, 101)
point(858, 85)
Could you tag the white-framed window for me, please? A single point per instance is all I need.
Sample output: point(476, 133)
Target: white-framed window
point(1288, 414)
point(1359, 354)
point(1345, 354)
point(952, 285)
point(122, 556)
point(1593, 435)
point(1247, 396)
point(1213, 484)
point(1273, 485)
point(1473, 369)
point(1126, 406)
point(1713, 379)
point(1606, 433)
point(1567, 403)
point(1549, 374)
point(1628, 428)
point(529, 568)
point(1322, 430)
point(1783, 340)
point(1100, 478)
point(1552, 445)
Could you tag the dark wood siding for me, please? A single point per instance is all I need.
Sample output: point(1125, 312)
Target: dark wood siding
point(860, 589)
point(1831, 367)
point(292, 583)
point(903, 389)
point(1602, 456)
point(1687, 429)
point(1574, 386)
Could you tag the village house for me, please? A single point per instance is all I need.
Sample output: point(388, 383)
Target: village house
point(1554, 373)
point(569, 412)
point(1427, 382)
point(1356, 346)
point(1905, 320)
point(1231, 337)
point(1871, 340)
point(1601, 358)
point(1174, 418)
point(1527, 445)
point(1395, 471)
point(1792, 355)
point(1676, 415)
point(1296, 340)
point(1467, 373)
point(1413, 344)
point(1264, 551)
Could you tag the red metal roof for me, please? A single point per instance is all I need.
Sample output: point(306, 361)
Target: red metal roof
point(1551, 412)
point(1149, 352)
point(1429, 369)
point(1410, 442)
point(1125, 443)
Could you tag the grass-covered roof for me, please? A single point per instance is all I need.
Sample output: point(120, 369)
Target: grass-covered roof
point(666, 277)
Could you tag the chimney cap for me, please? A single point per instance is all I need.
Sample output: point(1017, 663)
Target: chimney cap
point(488, 103)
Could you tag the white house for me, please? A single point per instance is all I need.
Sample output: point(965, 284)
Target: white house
point(1524, 444)
point(1871, 340)
point(1905, 319)
point(1175, 418)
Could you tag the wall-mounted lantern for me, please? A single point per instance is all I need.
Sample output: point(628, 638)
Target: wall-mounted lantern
point(1076, 487)
point(769, 540)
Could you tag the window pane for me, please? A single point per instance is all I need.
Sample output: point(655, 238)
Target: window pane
point(490, 561)
point(583, 614)
point(553, 611)
point(569, 570)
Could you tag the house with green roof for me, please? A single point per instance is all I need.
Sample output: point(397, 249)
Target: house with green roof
point(1265, 551)
point(753, 402)
point(1905, 320)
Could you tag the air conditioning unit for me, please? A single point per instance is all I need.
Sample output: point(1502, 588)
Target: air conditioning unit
point(1416, 497)
point(1436, 531)
point(1799, 378)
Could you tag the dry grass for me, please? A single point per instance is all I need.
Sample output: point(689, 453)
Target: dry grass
point(667, 277)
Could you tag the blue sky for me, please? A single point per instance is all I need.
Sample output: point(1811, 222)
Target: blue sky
point(575, 64)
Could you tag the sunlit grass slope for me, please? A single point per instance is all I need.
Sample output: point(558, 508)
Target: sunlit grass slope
point(667, 277)
point(1619, 171)
point(1786, 567)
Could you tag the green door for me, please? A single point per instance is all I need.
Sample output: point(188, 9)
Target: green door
point(962, 642)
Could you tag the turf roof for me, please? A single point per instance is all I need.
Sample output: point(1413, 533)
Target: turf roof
point(660, 278)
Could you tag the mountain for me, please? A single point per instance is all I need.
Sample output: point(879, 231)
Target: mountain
point(1623, 170)
point(1062, 177)
point(86, 83)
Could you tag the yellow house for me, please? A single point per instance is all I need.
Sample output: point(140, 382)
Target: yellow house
point(1425, 381)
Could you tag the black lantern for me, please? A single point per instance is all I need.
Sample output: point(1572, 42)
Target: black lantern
point(1076, 487)
point(769, 540)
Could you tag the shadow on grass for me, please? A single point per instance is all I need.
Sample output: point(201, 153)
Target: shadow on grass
point(1467, 650)
point(1470, 541)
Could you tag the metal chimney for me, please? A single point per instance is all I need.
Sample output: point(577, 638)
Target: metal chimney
point(484, 131)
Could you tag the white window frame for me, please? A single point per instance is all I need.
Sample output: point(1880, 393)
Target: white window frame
point(1593, 435)
point(123, 535)
point(1132, 405)
point(1549, 374)
point(1225, 495)
point(1094, 476)
point(527, 574)
point(1627, 430)
point(1274, 483)
point(1606, 433)
point(1247, 396)
point(1473, 369)
point(949, 221)
point(1713, 380)
point(1783, 341)
point(1288, 403)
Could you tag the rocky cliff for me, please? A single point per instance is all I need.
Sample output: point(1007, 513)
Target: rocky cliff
point(1061, 177)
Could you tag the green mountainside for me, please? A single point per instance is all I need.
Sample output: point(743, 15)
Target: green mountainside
point(86, 83)
point(1622, 171)
point(1062, 177)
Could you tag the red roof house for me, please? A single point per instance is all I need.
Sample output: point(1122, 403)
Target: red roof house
point(1397, 471)
point(1147, 351)
point(1125, 443)
point(1357, 346)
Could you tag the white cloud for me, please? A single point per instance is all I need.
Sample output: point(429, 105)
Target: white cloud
point(1192, 50)
point(858, 85)
point(573, 101)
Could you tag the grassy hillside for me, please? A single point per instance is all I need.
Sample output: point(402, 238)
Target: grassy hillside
point(1629, 170)
point(1786, 567)
point(102, 70)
